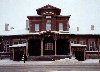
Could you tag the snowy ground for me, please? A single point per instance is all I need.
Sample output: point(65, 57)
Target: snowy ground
point(65, 61)
point(91, 61)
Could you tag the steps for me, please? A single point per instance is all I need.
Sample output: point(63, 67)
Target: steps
point(47, 58)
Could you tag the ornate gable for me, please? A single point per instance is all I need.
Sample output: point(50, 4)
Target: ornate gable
point(48, 8)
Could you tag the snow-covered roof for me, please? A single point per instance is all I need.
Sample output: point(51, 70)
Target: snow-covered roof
point(26, 32)
point(72, 30)
point(16, 32)
point(78, 45)
point(58, 32)
point(19, 45)
point(85, 30)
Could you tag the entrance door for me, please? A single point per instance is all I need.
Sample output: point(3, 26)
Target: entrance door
point(34, 47)
point(18, 54)
point(62, 47)
point(79, 55)
point(48, 46)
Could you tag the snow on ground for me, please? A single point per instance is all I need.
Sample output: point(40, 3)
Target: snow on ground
point(65, 61)
point(91, 61)
point(74, 61)
point(11, 62)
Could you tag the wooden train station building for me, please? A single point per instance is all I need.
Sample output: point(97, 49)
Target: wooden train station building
point(47, 36)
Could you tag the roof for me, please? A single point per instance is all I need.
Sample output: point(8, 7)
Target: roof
point(26, 32)
point(18, 45)
point(85, 30)
point(48, 7)
point(57, 32)
point(16, 32)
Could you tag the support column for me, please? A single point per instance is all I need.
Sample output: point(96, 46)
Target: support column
point(70, 49)
point(87, 43)
point(27, 54)
point(13, 53)
point(55, 48)
point(84, 54)
point(41, 47)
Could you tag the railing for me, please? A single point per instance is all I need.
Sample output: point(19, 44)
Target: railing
point(5, 55)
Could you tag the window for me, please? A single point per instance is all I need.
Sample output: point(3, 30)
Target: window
point(48, 21)
point(92, 46)
point(48, 16)
point(36, 27)
point(82, 42)
point(49, 46)
point(6, 46)
point(60, 26)
point(48, 25)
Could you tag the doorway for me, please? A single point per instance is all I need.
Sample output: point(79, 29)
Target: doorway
point(79, 55)
point(62, 47)
point(48, 46)
point(18, 53)
point(34, 47)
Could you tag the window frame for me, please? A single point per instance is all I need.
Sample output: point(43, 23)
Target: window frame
point(48, 46)
point(92, 46)
point(48, 25)
point(37, 27)
point(61, 27)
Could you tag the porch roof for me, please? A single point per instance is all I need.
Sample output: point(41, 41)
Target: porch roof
point(18, 45)
point(77, 45)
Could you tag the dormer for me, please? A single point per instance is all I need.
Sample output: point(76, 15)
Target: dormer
point(48, 10)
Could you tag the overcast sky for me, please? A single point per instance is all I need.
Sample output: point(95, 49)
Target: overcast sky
point(83, 12)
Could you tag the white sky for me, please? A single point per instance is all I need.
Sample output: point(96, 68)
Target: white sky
point(83, 12)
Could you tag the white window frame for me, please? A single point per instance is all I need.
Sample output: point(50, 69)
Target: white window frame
point(48, 25)
point(92, 46)
point(60, 26)
point(6, 46)
point(48, 46)
point(36, 27)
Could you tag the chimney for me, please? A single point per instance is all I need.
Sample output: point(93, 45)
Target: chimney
point(77, 28)
point(27, 24)
point(92, 27)
point(6, 27)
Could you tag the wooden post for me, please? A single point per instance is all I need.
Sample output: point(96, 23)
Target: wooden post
point(41, 47)
point(70, 49)
point(13, 53)
point(84, 54)
point(87, 44)
point(55, 47)
point(27, 48)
